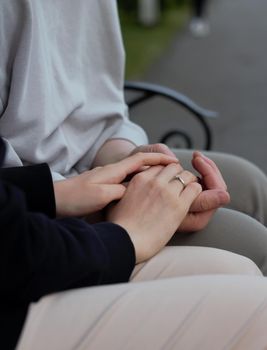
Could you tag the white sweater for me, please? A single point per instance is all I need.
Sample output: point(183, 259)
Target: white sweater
point(61, 82)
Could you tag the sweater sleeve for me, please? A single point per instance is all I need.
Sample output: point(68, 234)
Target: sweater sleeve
point(131, 132)
point(30, 180)
point(41, 255)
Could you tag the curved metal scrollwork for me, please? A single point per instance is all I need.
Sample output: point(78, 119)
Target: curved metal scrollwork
point(177, 139)
point(148, 90)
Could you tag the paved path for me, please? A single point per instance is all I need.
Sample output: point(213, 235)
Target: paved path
point(227, 72)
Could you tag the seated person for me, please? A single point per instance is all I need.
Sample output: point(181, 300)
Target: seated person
point(43, 255)
point(61, 102)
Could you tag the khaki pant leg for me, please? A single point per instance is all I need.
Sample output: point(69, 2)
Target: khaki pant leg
point(233, 231)
point(199, 312)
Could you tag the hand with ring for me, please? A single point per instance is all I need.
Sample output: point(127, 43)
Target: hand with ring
point(154, 205)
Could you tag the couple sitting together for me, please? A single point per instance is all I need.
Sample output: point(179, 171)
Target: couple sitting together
point(87, 205)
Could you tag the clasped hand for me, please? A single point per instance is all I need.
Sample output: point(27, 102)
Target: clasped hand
point(213, 196)
point(95, 189)
point(152, 202)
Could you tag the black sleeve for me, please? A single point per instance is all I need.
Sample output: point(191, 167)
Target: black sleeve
point(41, 255)
point(31, 180)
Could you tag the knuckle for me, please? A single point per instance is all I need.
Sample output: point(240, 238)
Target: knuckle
point(176, 166)
point(155, 183)
point(188, 175)
point(139, 179)
point(179, 167)
point(196, 187)
point(203, 205)
point(101, 194)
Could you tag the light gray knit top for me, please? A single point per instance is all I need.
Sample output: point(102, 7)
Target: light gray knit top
point(61, 78)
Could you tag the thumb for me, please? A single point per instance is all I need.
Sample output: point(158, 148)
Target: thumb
point(210, 199)
point(189, 194)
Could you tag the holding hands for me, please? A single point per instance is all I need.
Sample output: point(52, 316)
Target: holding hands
point(95, 189)
point(213, 196)
point(153, 206)
point(160, 198)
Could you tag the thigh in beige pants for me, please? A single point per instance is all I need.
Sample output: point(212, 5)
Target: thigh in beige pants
point(160, 310)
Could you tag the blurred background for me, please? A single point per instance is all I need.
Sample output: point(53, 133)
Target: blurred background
point(220, 62)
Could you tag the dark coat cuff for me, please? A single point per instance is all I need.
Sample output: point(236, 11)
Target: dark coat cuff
point(120, 251)
point(36, 183)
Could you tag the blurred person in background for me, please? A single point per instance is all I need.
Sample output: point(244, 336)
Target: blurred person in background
point(199, 25)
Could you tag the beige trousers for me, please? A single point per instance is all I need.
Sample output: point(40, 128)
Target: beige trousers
point(159, 309)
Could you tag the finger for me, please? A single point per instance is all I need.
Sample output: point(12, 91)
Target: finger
point(183, 179)
point(154, 148)
point(189, 194)
point(111, 193)
point(168, 173)
point(196, 221)
point(210, 199)
point(208, 160)
point(212, 180)
point(151, 172)
point(117, 172)
point(134, 163)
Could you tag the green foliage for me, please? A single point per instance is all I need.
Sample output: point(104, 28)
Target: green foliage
point(131, 5)
point(143, 45)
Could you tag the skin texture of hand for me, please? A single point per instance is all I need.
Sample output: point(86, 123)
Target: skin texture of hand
point(153, 206)
point(215, 192)
point(94, 189)
point(213, 196)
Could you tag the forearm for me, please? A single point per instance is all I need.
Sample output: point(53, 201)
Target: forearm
point(113, 151)
point(42, 256)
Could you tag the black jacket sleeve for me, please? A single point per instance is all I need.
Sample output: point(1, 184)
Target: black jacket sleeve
point(30, 180)
point(40, 255)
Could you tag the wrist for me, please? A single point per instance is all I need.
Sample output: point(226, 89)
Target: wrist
point(142, 250)
point(113, 151)
point(61, 190)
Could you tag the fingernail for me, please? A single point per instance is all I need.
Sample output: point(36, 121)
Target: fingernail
point(224, 196)
point(200, 159)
